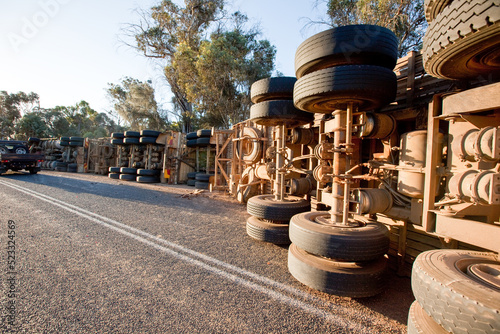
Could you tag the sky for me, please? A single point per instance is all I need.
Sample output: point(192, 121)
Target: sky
point(70, 50)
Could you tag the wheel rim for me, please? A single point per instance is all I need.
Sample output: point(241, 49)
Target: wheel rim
point(3, 150)
point(20, 150)
point(485, 273)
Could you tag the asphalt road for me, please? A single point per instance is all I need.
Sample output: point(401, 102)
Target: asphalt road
point(94, 255)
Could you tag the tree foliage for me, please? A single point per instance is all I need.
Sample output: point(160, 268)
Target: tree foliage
point(135, 102)
point(217, 78)
point(21, 118)
point(12, 107)
point(405, 18)
point(209, 67)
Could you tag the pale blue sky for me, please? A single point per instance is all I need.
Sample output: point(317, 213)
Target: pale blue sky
point(69, 50)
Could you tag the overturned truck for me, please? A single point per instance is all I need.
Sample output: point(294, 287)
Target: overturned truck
point(366, 161)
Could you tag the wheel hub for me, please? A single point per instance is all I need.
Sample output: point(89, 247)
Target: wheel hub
point(486, 273)
point(326, 220)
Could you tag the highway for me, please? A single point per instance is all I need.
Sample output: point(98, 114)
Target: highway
point(81, 253)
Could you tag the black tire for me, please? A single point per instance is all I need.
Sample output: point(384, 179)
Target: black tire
point(204, 141)
point(274, 233)
point(347, 279)
point(191, 143)
point(434, 7)
point(364, 243)
point(4, 150)
point(76, 139)
point(116, 141)
point(33, 171)
point(33, 140)
point(420, 322)
point(127, 170)
point(61, 164)
point(279, 88)
point(147, 140)
point(132, 134)
point(192, 175)
point(347, 45)
point(277, 112)
point(64, 143)
point(266, 207)
point(114, 176)
point(117, 135)
point(463, 41)
point(201, 185)
point(148, 179)
point(64, 139)
point(75, 143)
point(192, 135)
point(204, 133)
point(191, 182)
point(460, 302)
point(20, 149)
point(130, 141)
point(127, 177)
point(114, 169)
point(148, 172)
point(203, 177)
point(150, 133)
point(61, 169)
point(369, 87)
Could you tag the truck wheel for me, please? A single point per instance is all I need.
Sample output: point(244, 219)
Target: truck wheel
point(148, 179)
point(251, 146)
point(261, 230)
point(114, 176)
point(132, 134)
point(365, 242)
point(20, 149)
point(277, 112)
point(244, 193)
point(463, 41)
point(266, 207)
point(127, 177)
point(419, 322)
point(324, 91)
point(3, 150)
point(278, 88)
point(150, 133)
point(204, 133)
point(433, 8)
point(192, 135)
point(127, 170)
point(459, 289)
point(147, 140)
point(33, 171)
point(130, 140)
point(347, 45)
point(349, 279)
point(148, 172)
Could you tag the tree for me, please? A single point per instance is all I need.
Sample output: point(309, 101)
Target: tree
point(405, 18)
point(12, 107)
point(209, 77)
point(57, 124)
point(217, 77)
point(135, 102)
point(167, 26)
point(31, 125)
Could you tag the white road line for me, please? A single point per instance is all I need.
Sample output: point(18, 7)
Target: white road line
point(195, 258)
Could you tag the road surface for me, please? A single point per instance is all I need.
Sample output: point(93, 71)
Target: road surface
point(82, 253)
